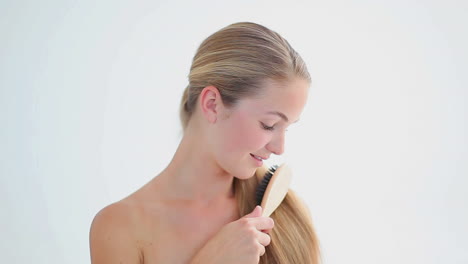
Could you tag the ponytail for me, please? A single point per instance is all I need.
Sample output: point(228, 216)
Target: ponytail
point(293, 239)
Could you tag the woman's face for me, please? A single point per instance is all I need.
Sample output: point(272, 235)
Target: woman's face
point(257, 126)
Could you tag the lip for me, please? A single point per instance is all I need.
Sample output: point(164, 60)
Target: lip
point(263, 158)
point(258, 162)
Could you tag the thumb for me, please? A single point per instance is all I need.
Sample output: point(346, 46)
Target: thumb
point(257, 211)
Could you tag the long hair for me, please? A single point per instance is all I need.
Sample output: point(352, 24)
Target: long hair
point(236, 59)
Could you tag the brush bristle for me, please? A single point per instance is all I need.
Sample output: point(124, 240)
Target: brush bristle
point(262, 186)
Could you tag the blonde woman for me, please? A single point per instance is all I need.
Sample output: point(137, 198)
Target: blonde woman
point(246, 86)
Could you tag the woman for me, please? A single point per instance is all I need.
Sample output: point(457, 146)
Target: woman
point(246, 86)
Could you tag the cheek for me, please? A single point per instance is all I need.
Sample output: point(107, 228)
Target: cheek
point(245, 135)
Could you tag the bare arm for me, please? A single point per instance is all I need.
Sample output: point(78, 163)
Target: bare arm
point(111, 239)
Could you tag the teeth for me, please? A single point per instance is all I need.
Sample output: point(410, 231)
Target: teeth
point(257, 157)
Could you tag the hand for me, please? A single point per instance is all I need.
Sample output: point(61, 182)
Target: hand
point(241, 241)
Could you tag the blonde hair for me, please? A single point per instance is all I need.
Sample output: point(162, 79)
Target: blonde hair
point(236, 59)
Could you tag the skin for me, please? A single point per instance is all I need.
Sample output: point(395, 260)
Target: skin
point(188, 213)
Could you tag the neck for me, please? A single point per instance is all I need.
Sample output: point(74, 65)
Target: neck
point(195, 176)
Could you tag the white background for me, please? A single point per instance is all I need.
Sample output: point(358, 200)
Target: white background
point(89, 113)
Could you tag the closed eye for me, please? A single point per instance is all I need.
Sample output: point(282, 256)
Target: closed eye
point(267, 127)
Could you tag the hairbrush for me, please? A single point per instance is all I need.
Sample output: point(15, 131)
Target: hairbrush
point(273, 187)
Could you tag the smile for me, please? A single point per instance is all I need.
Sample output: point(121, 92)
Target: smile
point(258, 160)
point(256, 157)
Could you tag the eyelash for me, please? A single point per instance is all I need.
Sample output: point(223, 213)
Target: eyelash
point(267, 127)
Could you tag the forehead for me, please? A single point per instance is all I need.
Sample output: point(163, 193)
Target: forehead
point(288, 97)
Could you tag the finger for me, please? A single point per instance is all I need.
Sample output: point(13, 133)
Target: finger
point(261, 249)
point(263, 239)
point(257, 211)
point(262, 223)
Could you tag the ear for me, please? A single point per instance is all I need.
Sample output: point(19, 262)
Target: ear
point(210, 103)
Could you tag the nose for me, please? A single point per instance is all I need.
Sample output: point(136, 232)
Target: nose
point(276, 145)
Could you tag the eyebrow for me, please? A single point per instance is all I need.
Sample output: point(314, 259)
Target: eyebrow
point(283, 116)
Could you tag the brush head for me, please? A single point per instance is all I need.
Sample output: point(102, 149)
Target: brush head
point(262, 186)
point(273, 187)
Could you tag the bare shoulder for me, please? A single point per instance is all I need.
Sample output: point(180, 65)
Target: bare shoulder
point(144, 228)
point(113, 235)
